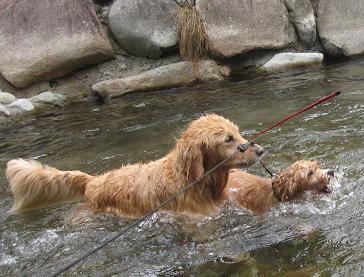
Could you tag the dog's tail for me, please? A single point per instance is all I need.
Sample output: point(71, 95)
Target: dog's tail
point(36, 185)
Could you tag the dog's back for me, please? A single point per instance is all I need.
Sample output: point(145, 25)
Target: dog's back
point(251, 192)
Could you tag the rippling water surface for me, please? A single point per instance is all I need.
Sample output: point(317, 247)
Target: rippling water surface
point(315, 236)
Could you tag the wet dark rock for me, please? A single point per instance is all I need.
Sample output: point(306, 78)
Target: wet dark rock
point(302, 16)
point(45, 39)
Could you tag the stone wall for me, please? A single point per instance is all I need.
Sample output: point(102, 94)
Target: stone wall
point(44, 40)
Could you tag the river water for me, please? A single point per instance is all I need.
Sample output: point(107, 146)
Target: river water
point(313, 236)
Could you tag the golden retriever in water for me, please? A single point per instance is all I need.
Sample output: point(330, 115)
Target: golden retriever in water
point(133, 190)
point(259, 194)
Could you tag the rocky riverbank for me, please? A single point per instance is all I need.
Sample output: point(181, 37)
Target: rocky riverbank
point(74, 49)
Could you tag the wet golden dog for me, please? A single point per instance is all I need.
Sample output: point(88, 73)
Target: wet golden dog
point(133, 190)
point(259, 194)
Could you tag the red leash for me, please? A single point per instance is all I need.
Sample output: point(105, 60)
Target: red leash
point(321, 100)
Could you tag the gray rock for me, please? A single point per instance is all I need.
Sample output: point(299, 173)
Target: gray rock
point(173, 75)
point(20, 105)
point(183, 3)
point(303, 18)
point(144, 27)
point(48, 97)
point(243, 25)
point(287, 60)
point(341, 26)
point(3, 110)
point(6, 98)
point(46, 39)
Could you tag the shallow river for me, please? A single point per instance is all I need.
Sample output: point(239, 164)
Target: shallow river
point(314, 236)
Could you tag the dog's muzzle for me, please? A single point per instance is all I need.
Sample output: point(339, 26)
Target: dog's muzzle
point(243, 147)
point(329, 173)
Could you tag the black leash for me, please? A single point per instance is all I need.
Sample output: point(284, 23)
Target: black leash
point(241, 148)
point(272, 175)
point(266, 169)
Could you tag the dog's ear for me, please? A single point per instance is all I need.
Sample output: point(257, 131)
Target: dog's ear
point(192, 160)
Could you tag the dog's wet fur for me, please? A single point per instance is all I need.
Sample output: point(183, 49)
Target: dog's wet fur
point(131, 191)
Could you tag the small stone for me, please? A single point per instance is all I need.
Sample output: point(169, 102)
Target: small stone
point(286, 60)
point(6, 98)
point(22, 105)
point(3, 110)
point(141, 105)
point(48, 97)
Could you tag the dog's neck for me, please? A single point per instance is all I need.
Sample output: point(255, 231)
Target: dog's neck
point(217, 181)
point(208, 195)
point(191, 167)
point(285, 188)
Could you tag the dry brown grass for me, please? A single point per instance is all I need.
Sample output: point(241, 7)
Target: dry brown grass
point(193, 43)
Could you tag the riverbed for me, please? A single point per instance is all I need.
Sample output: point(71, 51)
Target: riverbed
point(313, 236)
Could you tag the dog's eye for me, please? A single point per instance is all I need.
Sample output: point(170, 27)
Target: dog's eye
point(310, 173)
point(229, 139)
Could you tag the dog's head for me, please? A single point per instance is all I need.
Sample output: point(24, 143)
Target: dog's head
point(211, 139)
point(311, 177)
point(299, 177)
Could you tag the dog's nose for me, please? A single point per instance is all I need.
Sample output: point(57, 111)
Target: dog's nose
point(243, 147)
point(259, 150)
point(330, 173)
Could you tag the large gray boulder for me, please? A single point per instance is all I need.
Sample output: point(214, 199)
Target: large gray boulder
point(303, 18)
point(172, 75)
point(238, 26)
point(341, 26)
point(45, 39)
point(144, 27)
